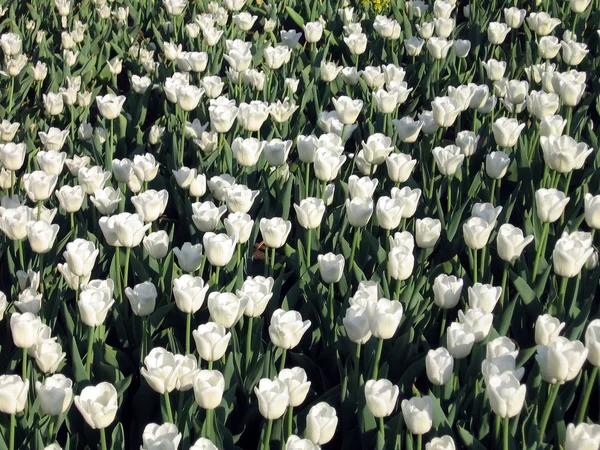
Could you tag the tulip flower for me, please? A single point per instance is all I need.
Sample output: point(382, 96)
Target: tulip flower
point(381, 397)
point(321, 423)
point(160, 436)
point(98, 405)
point(189, 257)
point(55, 394)
point(13, 391)
point(287, 328)
point(427, 232)
point(142, 298)
point(275, 231)
point(460, 340)
point(506, 395)
point(209, 386)
point(418, 414)
point(439, 365)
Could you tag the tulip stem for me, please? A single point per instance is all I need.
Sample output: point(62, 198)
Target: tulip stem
point(90, 352)
point(497, 427)
point(474, 266)
point(188, 327)
point(267, 438)
point(210, 364)
point(126, 270)
point(118, 269)
point(182, 145)
point(382, 428)
point(355, 240)
point(483, 261)
point(290, 417)
point(419, 441)
point(548, 409)
point(273, 262)
point(267, 261)
point(564, 281)
point(144, 345)
point(209, 423)
point(586, 397)
point(168, 407)
point(504, 280)
point(541, 248)
point(102, 439)
point(282, 360)
point(13, 425)
point(308, 246)
point(238, 255)
point(377, 358)
point(505, 434)
point(51, 430)
point(443, 325)
point(24, 365)
point(331, 311)
point(306, 180)
point(21, 257)
point(248, 355)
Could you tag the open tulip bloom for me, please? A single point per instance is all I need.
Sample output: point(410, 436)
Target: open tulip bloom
point(263, 225)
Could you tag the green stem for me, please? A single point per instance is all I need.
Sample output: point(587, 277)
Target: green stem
point(90, 352)
point(168, 407)
point(331, 308)
point(267, 438)
point(248, 355)
point(419, 441)
point(306, 179)
point(10, 95)
point(474, 266)
point(51, 430)
point(493, 190)
point(21, 257)
point(505, 435)
point(586, 396)
point(13, 426)
point(118, 264)
point(290, 417)
point(548, 409)
point(103, 439)
point(188, 328)
point(308, 246)
point(382, 428)
point(267, 261)
point(541, 247)
point(564, 281)
point(210, 365)
point(483, 261)
point(282, 360)
point(126, 270)
point(504, 281)
point(377, 358)
point(443, 325)
point(24, 365)
point(357, 366)
point(497, 430)
point(144, 346)
point(355, 239)
point(449, 192)
point(238, 255)
point(209, 422)
point(273, 263)
point(182, 145)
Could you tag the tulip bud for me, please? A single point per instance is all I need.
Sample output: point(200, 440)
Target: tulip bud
point(189, 257)
point(478, 321)
point(142, 298)
point(55, 394)
point(273, 398)
point(310, 212)
point(384, 317)
point(584, 436)
point(211, 341)
point(445, 442)
point(427, 232)
point(157, 437)
point(331, 267)
point(297, 384)
point(161, 370)
point(506, 395)
point(209, 386)
point(447, 290)
point(13, 390)
point(321, 423)
point(460, 340)
point(561, 360)
point(418, 414)
point(24, 328)
point(98, 405)
point(287, 328)
point(439, 365)
point(275, 231)
point(381, 397)
point(484, 296)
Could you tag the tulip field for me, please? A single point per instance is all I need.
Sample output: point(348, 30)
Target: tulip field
point(299, 224)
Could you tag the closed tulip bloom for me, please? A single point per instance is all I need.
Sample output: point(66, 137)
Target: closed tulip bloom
point(356, 323)
point(460, 340)
point(161, 370)
point(592, 342)
point(407, 129)
point(70, 197)
point(506, 395)
point(386, 102)
point(53, 103)
point(110, 105)
point(592, 210)
point(384, 317)
point(438, 47)
point(401, 262)
point(331, 267)
point(547, 329)
point(226, 308)
point(359, 210)
point(189, 293)
point(297, 384)
point(443, 443)
point(130, 229)
point(418, 414)
point(321, 423)
point(92, 179)
point(275, 231)
point(287, 328)
point(514, 17)
point(381, 397)
point(183, 176)
point(414, 46)
point(295, 443)
point(142, 298)
point(240, 198)
point(55, 394)
point(550, 204)
point(145, 167)
point(496, 164)
point(445, 111)
point(247, 151)
point(48, 355)
point(444, 26)
point(81, 256)
point(400, 167)
point(151, 204)
point(276, 57)
point(258, 291)
point(484, 296)
point(29, 301)
point(548, 46)
point(157, 437)
point(276, 152)
point(497, 32)
point(156, 244)
point(507, 131)
point(584, 436)
point(209, 386)
point(439, 366)
point(448, 159)
point(98, 405)
point(239, 225)
point(427, 232)
point(347, 109)
point(467, 142)
point(494, 69)
point(310, 212)
point(13, 222)
point(561, 361)
point(218, 248)
point(222, 113)
point(389, 212)
point(39, 185)
point(357, 43)
point(361, 187)
point(189, 257)
point(252, 115)
point(206, 215)
point(41, 236)
point(552, 125)
point(573, 52)
point(273, 398)
point(563, 153)
point(52, 163)
point(377, 148)
point(12, 156)
point(211, 341)
point(93, 306)
point(478, 321)
point(447, 290)
point(462, 48)
point(570, 255)
point(203, 444)
point(510, 242)
point(25, 329)
point(542, 23)
point(313, 31)
point(13, 393)
point(476, 232)
point(329, 71)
